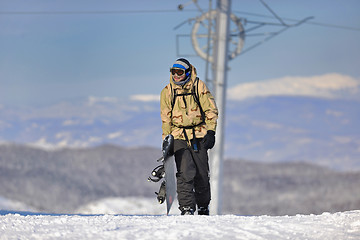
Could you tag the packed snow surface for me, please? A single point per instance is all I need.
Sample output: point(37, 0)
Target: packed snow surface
point(27, 225)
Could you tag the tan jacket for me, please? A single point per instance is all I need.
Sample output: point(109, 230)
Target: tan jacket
point(186, 112)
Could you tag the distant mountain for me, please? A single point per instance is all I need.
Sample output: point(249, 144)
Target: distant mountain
point(269, 129)
point(283, 129)
point(252, 188)
point(65, 180)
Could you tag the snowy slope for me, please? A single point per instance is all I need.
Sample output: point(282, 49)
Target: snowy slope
point(342, 225)
point(128, 218)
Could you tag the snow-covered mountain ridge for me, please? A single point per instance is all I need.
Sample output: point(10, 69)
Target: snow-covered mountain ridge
point(266, 129)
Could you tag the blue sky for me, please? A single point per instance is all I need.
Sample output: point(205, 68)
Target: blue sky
point(47, 57)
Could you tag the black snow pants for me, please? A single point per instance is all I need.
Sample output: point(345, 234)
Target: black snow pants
point(193, 181)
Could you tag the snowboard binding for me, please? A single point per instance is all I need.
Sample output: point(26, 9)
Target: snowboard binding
point(157, 174)
point(161, 195)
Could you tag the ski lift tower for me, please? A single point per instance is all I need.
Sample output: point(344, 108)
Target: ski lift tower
point(222, 41)
point(219, 73)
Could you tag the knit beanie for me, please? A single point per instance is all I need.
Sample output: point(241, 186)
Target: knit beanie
point(183, 64)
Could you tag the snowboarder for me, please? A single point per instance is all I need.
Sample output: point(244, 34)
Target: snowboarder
point(189, 113)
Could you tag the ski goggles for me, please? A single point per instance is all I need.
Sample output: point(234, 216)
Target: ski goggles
point(178, 71)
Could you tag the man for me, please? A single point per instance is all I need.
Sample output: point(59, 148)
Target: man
point(189, 113)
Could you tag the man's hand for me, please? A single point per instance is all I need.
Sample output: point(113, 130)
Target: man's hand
point(209, 139)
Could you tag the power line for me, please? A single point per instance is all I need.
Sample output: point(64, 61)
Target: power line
point(159, 11)
point(334, 26)
point(308, 22)
point(84, 12)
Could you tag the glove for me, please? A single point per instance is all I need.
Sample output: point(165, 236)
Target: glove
point(209, 139)
point(168, 146)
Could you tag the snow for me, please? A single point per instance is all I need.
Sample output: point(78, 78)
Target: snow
point(143, 218)
point(27, 225)
point(127, 205)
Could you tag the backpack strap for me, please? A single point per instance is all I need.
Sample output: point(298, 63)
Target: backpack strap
point(196, 98)
point(173, 97)
point(195, 93)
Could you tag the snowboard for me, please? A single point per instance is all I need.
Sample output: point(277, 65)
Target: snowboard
point(170, 182)
point(166, 171)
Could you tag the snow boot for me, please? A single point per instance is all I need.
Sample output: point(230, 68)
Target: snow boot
point(187, 211)
point(203, 211)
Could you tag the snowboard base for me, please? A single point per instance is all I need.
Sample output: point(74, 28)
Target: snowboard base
point(170, 182)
